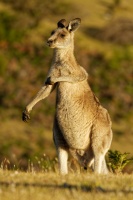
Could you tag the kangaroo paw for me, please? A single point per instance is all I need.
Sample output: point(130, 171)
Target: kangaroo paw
point(25, 116)
point(48, 81)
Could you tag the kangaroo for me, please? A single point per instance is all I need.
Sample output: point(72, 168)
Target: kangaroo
point(82, 126)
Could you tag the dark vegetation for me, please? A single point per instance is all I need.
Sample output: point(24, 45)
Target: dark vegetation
point(25, 59)
point(118, 31)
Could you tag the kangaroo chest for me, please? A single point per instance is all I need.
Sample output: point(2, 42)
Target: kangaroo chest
point(75, 113)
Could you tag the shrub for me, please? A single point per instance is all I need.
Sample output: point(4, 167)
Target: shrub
point(117, 161)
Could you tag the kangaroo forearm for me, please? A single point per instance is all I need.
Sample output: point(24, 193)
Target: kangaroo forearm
point(71, 78)
point(42, 94)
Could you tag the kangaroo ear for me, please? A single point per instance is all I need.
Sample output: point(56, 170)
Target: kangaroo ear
point(74, 24)
point(61, 23)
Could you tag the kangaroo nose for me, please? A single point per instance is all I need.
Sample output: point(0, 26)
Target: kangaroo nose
point(49, 42)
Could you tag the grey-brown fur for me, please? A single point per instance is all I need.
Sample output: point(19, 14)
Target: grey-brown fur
point(81, 125)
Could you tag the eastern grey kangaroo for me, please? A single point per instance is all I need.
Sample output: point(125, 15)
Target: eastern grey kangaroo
point(81, 125)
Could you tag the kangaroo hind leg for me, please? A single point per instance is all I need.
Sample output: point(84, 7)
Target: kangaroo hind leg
point(98, 160)
point(61, 147)
point(100, 147)
point(63, 158)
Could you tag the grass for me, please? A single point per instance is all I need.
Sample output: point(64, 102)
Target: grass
point(16, 185)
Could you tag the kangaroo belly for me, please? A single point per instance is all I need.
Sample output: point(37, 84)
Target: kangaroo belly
point(74, 115)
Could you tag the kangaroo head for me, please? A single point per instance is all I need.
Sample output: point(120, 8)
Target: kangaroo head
point(62, 37)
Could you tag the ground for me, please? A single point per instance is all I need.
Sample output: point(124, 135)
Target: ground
point(15, 185)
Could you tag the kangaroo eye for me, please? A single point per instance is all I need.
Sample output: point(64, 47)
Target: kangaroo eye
point(62, 35)
point(52, 32)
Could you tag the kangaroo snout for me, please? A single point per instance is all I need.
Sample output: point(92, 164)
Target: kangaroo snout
point(49, 42)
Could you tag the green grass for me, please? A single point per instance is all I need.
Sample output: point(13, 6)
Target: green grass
point(15, 185)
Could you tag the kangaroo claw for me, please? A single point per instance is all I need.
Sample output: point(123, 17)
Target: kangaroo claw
point(25, 116)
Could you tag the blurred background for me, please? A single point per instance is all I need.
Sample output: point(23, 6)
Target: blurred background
point(103, 46)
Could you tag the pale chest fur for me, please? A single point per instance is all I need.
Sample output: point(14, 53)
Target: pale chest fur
point(75, 111)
